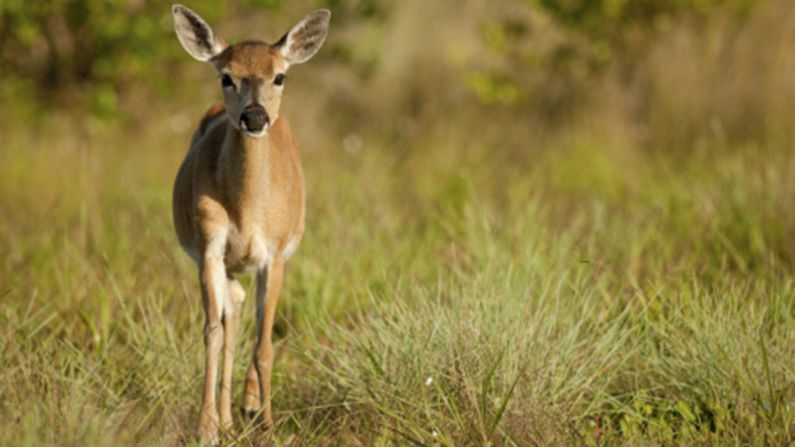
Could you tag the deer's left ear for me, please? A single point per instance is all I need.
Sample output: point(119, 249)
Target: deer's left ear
point(305, 38)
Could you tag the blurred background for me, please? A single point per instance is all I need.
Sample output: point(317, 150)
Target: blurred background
point(668, 75)
point(646, 144)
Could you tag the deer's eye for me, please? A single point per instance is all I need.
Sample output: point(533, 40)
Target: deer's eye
point(279, 79)
point(226, 81)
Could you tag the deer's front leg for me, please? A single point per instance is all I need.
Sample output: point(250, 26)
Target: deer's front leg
point(215, 293)
point(251, 401)
point(269, 284)
point(231, 321)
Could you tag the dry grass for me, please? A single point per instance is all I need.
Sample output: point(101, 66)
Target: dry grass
point(466, 278)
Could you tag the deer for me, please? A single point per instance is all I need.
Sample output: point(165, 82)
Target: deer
point(239, 201)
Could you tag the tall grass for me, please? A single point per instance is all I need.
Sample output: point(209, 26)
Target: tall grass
point(563, 299)
point(467, 277)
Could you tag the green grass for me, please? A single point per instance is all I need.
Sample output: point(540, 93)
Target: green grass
point(447, 292)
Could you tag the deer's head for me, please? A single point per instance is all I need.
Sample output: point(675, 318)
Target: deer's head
point(252, 73)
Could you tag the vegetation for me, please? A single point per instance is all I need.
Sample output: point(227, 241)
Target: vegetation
point(524, 228)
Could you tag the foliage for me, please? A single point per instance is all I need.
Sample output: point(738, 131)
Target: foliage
point(545, 54)
point(103, 47)
point(100, 45)
point(614, 19)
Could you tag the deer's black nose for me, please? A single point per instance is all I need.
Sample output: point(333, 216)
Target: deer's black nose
point(254, 118)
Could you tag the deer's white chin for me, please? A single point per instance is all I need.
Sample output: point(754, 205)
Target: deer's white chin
point(258, 134)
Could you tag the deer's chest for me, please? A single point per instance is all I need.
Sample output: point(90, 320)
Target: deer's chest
point(247, 251)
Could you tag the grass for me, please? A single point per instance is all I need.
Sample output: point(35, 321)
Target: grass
point(607, 261)
point(589, 293)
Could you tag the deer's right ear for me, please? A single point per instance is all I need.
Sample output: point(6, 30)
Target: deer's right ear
point(195, 34)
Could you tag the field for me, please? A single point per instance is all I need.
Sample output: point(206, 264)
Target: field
point(471, 274)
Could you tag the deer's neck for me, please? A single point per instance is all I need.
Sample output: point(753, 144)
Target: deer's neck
point(244, 171)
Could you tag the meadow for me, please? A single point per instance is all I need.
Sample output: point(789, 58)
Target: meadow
point(539, 258)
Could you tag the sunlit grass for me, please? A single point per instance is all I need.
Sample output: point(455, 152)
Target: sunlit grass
point(590, 293)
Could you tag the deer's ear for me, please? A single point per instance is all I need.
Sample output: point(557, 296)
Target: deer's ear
point(305, 38)
point(195, 34)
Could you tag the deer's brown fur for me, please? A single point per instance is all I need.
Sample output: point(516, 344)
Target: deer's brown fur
point(249, 186)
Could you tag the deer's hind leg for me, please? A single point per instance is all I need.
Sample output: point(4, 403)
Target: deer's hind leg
point(251, 394)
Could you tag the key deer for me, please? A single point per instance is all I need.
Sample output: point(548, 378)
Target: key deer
point(238, 201)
